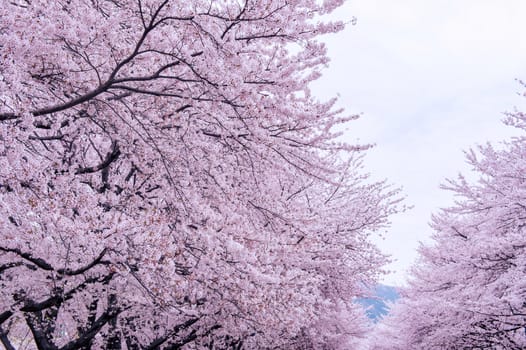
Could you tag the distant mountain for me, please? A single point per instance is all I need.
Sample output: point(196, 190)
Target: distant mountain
point(376, 306)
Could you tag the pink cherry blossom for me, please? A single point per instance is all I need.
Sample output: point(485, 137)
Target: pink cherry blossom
point(167, 179)
point(468, 291)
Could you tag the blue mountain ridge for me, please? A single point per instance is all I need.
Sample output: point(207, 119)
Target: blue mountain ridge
point(376, 306)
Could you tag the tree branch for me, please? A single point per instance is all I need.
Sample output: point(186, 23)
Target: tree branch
point(110, 158)
point(81, 270)
point(37, 261)
point(58, 299)
point(5, 340)
point(158, 342)
point(87, 336)
point(4, 316)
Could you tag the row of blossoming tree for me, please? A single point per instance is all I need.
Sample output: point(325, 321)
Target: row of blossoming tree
point(468, 291)
point(167, 180)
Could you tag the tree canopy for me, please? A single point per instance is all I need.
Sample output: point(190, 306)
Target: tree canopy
point(468, 290)
point(168, 180)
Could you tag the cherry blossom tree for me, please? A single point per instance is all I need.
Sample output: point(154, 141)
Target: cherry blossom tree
point(167, 179)
point(469, 289)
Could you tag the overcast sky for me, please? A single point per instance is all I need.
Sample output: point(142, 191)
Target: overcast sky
point(431, 78)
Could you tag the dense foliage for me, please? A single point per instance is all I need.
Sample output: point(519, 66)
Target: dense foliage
point(167, 180)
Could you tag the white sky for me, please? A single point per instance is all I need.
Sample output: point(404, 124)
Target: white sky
point(432, 78)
